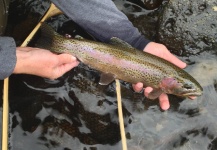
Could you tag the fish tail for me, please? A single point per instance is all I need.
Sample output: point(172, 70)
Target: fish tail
point(48, 37)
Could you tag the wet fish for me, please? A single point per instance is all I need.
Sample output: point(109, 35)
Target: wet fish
point(120, 60)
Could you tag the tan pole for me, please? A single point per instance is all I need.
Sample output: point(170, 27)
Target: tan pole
point(5, 116)
point(120, 115)
point(53, 10)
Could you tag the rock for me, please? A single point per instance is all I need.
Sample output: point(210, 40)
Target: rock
point(146, 24)
point(189, 27)
point(137, 12)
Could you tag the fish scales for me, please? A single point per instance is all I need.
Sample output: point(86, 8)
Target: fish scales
point(121, 63)
point(125, 63)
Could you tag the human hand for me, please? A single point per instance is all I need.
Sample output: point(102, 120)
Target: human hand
point(160, 51)
point(43, 63)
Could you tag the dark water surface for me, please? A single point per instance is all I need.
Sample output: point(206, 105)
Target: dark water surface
point(75, 113)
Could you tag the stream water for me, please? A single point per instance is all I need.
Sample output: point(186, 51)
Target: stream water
point(75, 112)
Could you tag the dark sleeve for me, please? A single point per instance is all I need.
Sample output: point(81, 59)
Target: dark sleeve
point(103, 20)
point(7, 56)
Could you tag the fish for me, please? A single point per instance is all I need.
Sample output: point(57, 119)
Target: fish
point(119, 60)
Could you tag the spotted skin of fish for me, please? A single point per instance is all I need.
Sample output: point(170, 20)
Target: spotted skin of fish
point(124, 62)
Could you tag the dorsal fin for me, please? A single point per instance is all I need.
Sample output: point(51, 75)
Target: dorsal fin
point(118, 42)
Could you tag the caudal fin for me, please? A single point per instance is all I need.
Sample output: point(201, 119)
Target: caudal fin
point(48, 36)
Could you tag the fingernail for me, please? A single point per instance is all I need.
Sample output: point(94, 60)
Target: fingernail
point(184, 65)
point(149, 90)
point(74, 58)
point(166, 106)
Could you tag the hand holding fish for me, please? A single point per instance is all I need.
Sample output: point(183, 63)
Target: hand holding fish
point(43, 63)
point(161, 51)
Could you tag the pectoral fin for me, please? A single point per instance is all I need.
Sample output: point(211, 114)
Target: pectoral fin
point(155, 94)
point(106, 78)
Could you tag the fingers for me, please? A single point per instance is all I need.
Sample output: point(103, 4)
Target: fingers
point(147, 91)
point(66, 58)
point(65, 62)
point(173, 59)
point(164, 101)
point(138, 87)
point(71, 65)
point(60, 70)
point(163, 98)
point(65, 68)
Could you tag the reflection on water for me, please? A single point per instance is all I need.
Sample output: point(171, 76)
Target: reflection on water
point(74, 112)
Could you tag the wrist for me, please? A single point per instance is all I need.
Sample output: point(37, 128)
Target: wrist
point(149, 46)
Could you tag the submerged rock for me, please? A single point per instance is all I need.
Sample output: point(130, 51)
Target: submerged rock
point(189, 27)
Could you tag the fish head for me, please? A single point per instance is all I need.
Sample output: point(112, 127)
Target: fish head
point(181, 86)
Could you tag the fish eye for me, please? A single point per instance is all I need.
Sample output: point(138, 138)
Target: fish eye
point(188, 86)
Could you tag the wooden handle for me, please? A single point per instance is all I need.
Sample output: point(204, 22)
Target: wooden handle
point(120, 115)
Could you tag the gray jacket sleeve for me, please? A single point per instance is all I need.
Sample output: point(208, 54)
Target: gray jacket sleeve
point(7, 56)
point(103, 20)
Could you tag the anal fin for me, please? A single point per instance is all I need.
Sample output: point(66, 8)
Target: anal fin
point(106, 78)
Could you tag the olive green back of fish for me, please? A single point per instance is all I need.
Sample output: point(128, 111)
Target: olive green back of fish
point(117, 60)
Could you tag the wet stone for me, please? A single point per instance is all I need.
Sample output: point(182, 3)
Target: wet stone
point(189, 27)
point(143, 14)
point(145, 24)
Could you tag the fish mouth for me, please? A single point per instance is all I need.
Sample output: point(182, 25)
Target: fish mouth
point(189, 94)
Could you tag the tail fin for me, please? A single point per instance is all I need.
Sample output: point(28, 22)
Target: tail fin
point(47, 38)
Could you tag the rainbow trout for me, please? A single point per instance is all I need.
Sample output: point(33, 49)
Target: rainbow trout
point(120, 60)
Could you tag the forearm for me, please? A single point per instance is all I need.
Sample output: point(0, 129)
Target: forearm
point(7, 56)
point(103, 20)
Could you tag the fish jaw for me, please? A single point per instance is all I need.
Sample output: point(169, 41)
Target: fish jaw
point(183, 88)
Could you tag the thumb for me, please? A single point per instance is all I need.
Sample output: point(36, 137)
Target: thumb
point(66, 63)
point(66, 58)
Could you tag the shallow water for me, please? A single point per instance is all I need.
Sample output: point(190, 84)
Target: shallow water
point(74, 112)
